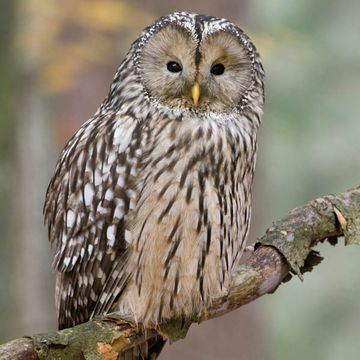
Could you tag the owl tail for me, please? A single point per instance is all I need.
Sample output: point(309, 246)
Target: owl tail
point(148, 350)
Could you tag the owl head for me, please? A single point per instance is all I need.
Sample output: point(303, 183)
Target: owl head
point(198, 63)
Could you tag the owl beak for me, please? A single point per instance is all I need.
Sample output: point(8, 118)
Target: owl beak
point(195, 93)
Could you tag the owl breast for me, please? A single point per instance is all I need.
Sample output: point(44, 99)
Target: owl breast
point(191, 215)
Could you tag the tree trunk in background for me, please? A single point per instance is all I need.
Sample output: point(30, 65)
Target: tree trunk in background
point(33, 257)
point(7, 169)
point(34, 272)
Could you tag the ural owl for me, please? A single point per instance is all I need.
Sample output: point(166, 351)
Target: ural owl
point(149, 206)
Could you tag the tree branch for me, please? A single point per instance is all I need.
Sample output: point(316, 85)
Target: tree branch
point(286, 246)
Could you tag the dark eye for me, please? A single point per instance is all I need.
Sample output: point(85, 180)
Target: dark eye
point(217, 69)
point(173, 66)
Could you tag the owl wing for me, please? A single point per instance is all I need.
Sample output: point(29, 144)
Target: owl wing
point(86, 206)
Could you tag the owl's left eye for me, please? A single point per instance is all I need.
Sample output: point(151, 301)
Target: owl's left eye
point(173, 66)
point(217, 69)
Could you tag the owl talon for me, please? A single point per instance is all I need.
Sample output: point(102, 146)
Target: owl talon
point(163, 335)
point(249, 249)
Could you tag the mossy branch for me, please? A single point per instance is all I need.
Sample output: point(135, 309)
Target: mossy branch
point(286, 246)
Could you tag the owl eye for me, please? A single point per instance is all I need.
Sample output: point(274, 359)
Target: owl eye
point(173, 66)
point(217, 69)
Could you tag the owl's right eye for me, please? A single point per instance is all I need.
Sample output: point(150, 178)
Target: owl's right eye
point(173, 66)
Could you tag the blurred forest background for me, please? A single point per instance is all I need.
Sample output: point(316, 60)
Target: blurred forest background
point(57, 59)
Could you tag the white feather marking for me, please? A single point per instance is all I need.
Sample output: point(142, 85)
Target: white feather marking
point(179, 287)
point(90, 249)
point(100, 273)
point(132, 204)
point(131, 193)
point(80, 158)
point(88, 168)
point(103, 298)
point(102, 210)
point(106, 169)
point(119, 212)
point(91, 279)
point(118, 136)
point(73, 260)
point(120, 202)
point(122, 136)
point(112, 157)
point(128, 236)
point(67, 261)
point(97, 178)
point(131, 161)
point(110, 234)
point(133, 171)
point(109, 195)
point(121, 181)
point(64, 239)
point(88, 194)
point(70, 218)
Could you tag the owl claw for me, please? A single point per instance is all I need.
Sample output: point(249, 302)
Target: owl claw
point(249, 248)
point(163, 335)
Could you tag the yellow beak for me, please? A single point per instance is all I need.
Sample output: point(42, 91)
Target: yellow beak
point(195, 93)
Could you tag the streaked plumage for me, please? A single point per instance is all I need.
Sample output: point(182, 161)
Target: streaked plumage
point(149, 206)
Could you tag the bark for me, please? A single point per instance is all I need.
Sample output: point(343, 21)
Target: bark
point(286, 247)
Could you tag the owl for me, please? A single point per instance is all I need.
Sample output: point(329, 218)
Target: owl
point(149, 205)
